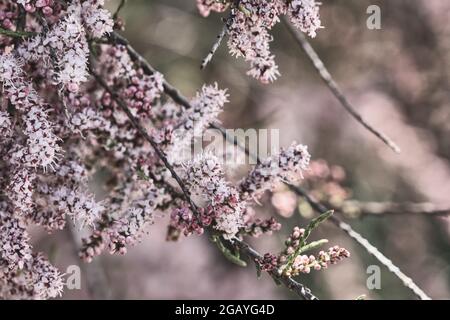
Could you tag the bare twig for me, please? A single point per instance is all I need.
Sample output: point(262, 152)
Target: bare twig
point(334, 88)
point(395, 208)
point(215, 46)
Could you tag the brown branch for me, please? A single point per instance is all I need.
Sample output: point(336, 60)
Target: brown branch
point(215, 47)
point(333, 86)
point(394, 208)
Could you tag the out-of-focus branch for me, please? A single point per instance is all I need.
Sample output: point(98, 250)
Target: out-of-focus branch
point(333, 86)
point(290, 283)
point(393, 208)
point(245, 248)
point(119, 7)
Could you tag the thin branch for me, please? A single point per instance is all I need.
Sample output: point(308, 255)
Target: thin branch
point(215, 46)
point(333, 86)
point(395, 208)
point(290, 283)
point(251, 253)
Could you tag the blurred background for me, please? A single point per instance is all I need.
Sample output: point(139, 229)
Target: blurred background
point(397, 77)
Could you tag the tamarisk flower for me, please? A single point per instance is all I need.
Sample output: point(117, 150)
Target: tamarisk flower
point(304, 263)
point(301, 263)
point(20, 190)
point(64, 49)
point(143, 90)
point(249, 38)
point(118, 232)
point(7, 15)
point(248, 27)
point(206, 106)
point(47, 7)
point(206, 6)
point(304, 14)
point(205, 176)
point(15, 249)
point(97, 20)
point(287, 165)
point(6, 128)
point(269, 262)
point(38, 279)
point(41, 148)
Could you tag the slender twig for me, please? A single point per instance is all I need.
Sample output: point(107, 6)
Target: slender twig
point(215, 46)
point(395, 208)
point(333, 86)
point(298, 288)
point(119, 7)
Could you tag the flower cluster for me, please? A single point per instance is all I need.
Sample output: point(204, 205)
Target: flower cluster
point(284, 166)
point(64, 48)
point(47, 7)
point(206, 177)
point(256, 227)
point(249, 24)
point(206, 106)
point(206, 6)
point(292, 261)
point(60, 126)
point(8, 15)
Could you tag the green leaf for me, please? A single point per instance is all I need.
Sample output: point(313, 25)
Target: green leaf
point(302, 246)
point(232, 257)
point(315, 223)
point(313, 245)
